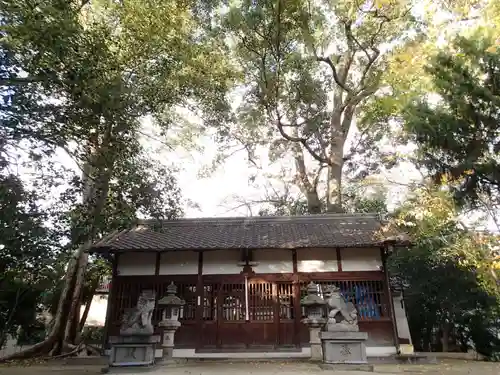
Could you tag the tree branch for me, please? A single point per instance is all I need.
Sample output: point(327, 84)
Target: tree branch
point(338, 81)
point(300, 140)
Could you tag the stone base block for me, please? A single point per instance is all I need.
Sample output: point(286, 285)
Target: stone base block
point(344, 347)
point(132, 351)
point(337, 327)
point(316, 352)
point(128, 370)
point(406, 349)
point(346, 367)
point(144, 331)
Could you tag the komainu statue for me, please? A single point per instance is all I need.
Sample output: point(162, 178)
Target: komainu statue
point(137, 320)
point(342, 315)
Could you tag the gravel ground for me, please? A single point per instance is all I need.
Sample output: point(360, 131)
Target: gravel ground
point(450, 367)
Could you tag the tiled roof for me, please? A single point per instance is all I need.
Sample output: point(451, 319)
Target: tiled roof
point(328, 230)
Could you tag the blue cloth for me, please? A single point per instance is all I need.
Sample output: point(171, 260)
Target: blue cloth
point(364, 301)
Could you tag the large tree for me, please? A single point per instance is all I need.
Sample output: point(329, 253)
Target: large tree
point(310, 66)
point(458, 135)
point(80, 76)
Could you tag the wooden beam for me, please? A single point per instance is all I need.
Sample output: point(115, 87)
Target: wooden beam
point(157, 264)
point(383, 254)
point(200, 300)
point(111, 300)
point(295, 262)
point(270, 277)
point(297, 309)
point(276, 313)
point(339, 260)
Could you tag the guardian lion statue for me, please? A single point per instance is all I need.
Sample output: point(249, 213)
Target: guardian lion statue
point(137, 320)
point(342, 315)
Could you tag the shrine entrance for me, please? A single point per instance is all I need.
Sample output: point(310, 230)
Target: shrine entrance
point(247, 312)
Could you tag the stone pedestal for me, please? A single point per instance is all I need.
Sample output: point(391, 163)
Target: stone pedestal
point(344, 347)
point(136, 344)
point(133, 350)
point(406, 349)
point(315, 342)
point(169, 328)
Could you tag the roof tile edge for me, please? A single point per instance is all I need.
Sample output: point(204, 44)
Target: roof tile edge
point(261, 219)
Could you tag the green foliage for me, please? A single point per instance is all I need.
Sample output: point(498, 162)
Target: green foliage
point(105, 65)
point(285, 207)
point(449, 275)
point(362, 198)
point(98, 69)
point(458, 138)
point(93, 334)
point(29, 253)
point(32, 334)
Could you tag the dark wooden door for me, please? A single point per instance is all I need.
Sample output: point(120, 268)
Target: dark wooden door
point(231, 316)
point(267, 323)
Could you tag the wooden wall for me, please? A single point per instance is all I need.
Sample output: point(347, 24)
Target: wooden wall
point(276, 280)
point(274, 307)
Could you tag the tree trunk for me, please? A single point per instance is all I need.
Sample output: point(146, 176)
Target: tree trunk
point(338, 130)
point(334, 200)
point(97, 174)
point(72, 325)
point(313, 202)
point(96, 187)
point(83, 319)
point(308, 188)
point(88, 303)
point(57, 332)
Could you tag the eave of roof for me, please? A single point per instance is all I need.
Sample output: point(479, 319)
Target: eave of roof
point(277, 232)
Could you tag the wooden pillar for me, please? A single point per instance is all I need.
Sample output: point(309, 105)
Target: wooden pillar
point(200, 298)
point(111, 300)
point(339, 260)
point(395, 335)
point(297, 309)
point(157, 263)
point(276, 313)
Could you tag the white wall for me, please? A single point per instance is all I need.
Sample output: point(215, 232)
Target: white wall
point(136, 264)
point(268, 261)
point(360, 259)
point(97, 312)
point(179, 263)
point(273, 261)
point(401, 321)
point(221, 262)
point(317, 260)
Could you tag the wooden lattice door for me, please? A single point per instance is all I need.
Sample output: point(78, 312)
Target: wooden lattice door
point(247, 313)
point(231, 315)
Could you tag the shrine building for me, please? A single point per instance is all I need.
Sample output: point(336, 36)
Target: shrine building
point(243, 278)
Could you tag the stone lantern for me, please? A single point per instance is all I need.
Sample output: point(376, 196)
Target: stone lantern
point(315, 320)
point(171, 305)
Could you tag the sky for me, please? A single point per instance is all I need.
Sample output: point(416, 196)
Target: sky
point(215, 194)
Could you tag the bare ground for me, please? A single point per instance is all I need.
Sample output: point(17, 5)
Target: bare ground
point(451, 367)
